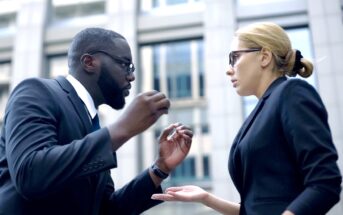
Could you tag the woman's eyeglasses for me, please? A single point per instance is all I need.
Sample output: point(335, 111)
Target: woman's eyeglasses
point(234, 55)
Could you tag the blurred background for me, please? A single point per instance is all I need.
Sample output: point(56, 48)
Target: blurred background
point(179, 47)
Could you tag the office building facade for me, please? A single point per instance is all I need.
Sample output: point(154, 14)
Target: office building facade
point(179, 47)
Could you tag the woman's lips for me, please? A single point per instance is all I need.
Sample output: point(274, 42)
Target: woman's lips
point(234, 82)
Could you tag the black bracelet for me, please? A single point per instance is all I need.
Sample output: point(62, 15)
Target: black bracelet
point(158, 172)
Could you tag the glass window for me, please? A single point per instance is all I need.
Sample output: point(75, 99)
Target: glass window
point(173, 2)
point(58, 65)
point(156, 3)
point(178, 69)
point(5, 72)
point(250, 2)
point(200, 56)
point(8, 14)
point(186, 170)
point(184, 115)
point(249, 102)
point(4, 94)
point(163, 7)
point(204, 121)
point(7, 23)
point(156, 67)
point(206, 166)
point(301, 40)
point(198, 167)
point(64, 10)
point(174, 67)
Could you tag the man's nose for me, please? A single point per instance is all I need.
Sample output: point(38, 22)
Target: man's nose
point(131, 77)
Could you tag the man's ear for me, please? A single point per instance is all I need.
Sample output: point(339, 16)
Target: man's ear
point(88, 63)
point(266, 57)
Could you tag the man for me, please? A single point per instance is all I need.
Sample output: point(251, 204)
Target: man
point(55, 160)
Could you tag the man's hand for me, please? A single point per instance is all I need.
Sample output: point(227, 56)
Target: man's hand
point(174, 149)
point(143, 111)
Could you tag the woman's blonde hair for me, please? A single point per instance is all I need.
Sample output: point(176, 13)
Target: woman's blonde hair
point(272, 37)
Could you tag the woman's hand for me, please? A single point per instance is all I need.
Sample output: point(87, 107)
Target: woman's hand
point(288, 213)
point(192, 193)
point(188, 193)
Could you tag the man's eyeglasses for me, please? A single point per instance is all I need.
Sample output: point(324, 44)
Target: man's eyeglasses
point(127, 65)
point(234, 55)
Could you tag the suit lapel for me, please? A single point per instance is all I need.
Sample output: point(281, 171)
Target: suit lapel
point(76, 102)
point(250, 119)
point(248, 122)
point(99, 180)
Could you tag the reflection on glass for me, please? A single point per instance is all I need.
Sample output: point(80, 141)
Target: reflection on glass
point(301, 40)
point(178, 69)
point(58, 65)
point(251, 2)
point(5, 72)
point(206, 166)
point(7, 23)
point(184, 115)
point(177, 63)
point(185, 171)
point(156, 67)
point(169, 6)
point(201, 68)
point(64, 10)
point(173, 2)
point(155, 3)
point(4, 93)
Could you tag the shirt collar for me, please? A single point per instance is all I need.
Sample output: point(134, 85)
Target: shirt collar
point(84, 95)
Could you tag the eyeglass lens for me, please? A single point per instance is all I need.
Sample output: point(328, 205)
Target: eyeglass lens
point(234, 55)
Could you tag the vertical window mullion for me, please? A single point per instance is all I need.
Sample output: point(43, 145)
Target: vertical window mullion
point(163, 70)
point(195, 93)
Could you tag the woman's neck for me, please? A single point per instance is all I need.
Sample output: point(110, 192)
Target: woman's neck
point(266, 81)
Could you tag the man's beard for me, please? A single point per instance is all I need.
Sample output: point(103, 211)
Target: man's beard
point(110, 90)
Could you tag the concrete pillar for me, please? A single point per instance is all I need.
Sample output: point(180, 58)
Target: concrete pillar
point(325, 19)
point(225, 107)
point(122, 19)
point(28, 43)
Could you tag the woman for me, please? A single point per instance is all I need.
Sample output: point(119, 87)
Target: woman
point(283, 160)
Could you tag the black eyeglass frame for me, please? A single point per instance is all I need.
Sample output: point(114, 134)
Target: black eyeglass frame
point(233, 54)
point(130, 67)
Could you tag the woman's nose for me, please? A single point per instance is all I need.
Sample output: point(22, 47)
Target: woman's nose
point(230, 71)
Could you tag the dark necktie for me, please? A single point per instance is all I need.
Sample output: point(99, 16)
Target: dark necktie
point(95, 123)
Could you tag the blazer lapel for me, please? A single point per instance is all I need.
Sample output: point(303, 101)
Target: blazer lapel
point(248, 122)
point(77, 103)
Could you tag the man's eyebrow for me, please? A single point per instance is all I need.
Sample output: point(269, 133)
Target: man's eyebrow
point(127, 59)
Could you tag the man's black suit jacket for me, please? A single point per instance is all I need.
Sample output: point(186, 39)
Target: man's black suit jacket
point(50, 163)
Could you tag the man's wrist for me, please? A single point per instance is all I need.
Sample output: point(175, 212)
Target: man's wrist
point(158, 172)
